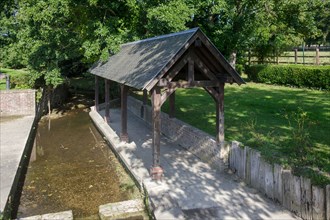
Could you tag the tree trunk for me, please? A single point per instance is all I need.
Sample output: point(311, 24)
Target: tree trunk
point(232, 58)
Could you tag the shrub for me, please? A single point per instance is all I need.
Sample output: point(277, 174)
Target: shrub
point(293, 75)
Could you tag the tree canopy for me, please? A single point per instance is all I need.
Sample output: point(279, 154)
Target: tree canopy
point(56, 38)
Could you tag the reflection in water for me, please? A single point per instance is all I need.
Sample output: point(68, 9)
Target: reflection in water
point(74, 170)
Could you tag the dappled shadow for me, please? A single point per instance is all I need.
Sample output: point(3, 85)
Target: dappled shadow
point(190, 188)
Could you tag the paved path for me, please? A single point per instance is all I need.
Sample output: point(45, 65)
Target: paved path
point(14, 133)
point(190, 188)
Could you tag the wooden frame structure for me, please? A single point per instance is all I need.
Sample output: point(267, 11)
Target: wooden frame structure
point(191, 62)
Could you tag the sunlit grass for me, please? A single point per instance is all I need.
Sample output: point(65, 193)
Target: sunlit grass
point(12, 73)
point(258, 115)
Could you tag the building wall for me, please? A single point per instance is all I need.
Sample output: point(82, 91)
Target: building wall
point(17, 102)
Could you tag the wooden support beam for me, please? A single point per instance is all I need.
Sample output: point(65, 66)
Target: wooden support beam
point(213, 93)
point(156, 170)
point(107, 100)
point(145, 102)
point(177, 67)
point(220, 121)
point(96, 93)
point(172, 105)
point(191, 70)
point(166, 94)
point(187, 84)
point(124, 94)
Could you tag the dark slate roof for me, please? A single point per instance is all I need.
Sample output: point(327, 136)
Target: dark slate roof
point(140, 62)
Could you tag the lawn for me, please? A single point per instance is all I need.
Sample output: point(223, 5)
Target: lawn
point(288, 125)
point(12, 73)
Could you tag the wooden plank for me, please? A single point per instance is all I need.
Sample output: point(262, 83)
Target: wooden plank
point(318, 202)
point(295, 196)
point(241, 162)
point(248, 165)
point(254, 164)
point(233, 155)
point(269, 180)
point(286, 181)
point(327, 197)
point(261, 177)
point(306, 198)
point(278, 183)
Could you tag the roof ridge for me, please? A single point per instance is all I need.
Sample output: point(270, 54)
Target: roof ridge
point(162, 36)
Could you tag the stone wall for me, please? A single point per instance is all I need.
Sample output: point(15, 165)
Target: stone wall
point(194, 140)
point(17, 102)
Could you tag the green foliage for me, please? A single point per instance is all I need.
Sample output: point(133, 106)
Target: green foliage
point(171, 16)
point(294, 75)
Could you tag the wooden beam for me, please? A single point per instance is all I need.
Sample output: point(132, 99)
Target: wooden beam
point(220, 58)
point(204, 67)
point(220, 121)
point(107, 100)
point(124, 94)
point(176, 69)
point(96, 93)
point(213, 93)
point(172, 62)
point(156, 107)
point(145, 102)
point(187, 84)
point(172, 105)
point(191, 70)
point(166, 94)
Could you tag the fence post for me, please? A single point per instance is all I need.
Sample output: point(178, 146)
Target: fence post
point(317, 58)
point(295, 56)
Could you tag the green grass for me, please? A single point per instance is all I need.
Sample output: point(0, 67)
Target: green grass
point(12, 73)
point(258, 115)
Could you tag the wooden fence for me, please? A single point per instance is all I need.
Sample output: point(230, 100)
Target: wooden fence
point(309, 56)
point(295, 193)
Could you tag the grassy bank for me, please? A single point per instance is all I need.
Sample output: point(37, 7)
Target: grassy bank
point(289, 126)
point(14, 74)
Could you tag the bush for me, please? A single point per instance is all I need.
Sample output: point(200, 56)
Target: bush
point(293, 75)
point(20, 81)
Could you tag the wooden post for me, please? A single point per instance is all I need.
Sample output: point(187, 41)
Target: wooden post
point(295, 56)
point(156, 169)
point(249, 57)
point(96, 93)
point(124, 134)
point(172, 105)
point(107, 100)
point(318, 202)
point(317, 58)
point(191, 70)
point(220, 121)
point(145, 102)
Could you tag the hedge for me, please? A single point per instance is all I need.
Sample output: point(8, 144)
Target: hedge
point(292, 75)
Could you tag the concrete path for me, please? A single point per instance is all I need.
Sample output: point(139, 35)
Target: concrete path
point(190, 188)
point(14, 133)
